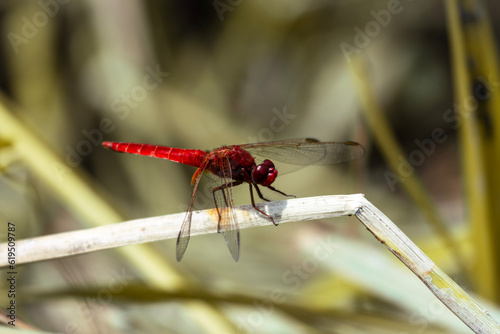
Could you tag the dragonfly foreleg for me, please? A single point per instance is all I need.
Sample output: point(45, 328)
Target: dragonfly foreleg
point(260, 194)
point(253, 202)
point(280, 192)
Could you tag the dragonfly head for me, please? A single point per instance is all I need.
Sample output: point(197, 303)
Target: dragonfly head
point(265, 173)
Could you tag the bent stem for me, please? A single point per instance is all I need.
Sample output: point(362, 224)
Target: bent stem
point(301, 209)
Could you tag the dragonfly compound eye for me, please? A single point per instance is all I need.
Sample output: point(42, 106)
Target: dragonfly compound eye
point(265, 173)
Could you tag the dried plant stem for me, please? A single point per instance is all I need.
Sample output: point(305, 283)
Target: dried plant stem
point(167, 227)
point(302, 209)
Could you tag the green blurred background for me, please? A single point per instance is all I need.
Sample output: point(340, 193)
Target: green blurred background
point(390, 75)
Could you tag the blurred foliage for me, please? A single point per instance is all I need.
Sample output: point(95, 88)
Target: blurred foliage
point(203, 74)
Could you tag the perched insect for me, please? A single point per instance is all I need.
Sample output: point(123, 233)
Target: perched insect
point(233, 165)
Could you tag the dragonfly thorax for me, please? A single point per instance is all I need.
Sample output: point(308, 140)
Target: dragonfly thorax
point(264, 173)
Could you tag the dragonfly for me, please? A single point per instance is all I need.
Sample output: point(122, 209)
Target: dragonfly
point(254, 164)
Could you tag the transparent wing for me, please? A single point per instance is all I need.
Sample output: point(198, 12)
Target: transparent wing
point(184, 235)
point(223, 198)
point(185, 231)
point(294, 154)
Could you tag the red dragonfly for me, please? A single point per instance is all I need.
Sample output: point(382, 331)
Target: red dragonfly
point(229, 166)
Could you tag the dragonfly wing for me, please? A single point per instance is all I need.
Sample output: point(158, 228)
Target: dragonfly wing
point(231, 234)
point(223, 197)
point(184, 235)
point(185, 232)
point(292, 155)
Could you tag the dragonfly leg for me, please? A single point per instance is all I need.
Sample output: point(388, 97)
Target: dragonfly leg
point(280, 192)
point(260, 194)
point(253, 202)
point(221, 188)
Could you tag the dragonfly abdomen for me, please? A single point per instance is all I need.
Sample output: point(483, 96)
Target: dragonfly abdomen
point(184, 156)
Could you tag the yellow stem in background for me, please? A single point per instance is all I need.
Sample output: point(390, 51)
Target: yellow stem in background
point(482, 49)
point(476, 180)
